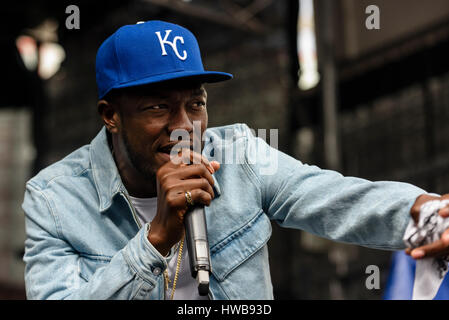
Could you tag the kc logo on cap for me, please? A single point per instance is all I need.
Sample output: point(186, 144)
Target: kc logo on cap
point(148, 53)
point(173, 44)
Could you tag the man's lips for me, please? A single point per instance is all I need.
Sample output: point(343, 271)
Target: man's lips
point(165, 152)
point(178, 146)
point(164, 156)
point(165, 149)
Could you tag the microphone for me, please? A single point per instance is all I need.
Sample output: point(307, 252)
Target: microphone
point(198, 247)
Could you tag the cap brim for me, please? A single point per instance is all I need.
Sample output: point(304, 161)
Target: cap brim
point(203, 77)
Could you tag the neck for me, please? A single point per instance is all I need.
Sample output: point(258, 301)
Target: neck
point(135, 183)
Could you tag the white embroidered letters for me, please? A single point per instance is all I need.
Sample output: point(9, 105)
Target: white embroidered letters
point(173, 44)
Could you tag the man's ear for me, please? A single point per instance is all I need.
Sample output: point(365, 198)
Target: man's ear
point(110, 115)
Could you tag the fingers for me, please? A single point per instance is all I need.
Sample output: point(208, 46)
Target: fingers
point(435, 249)
point(193, 178)
point(415, 210)
point(444, 212)
point(195, 171)
point(186, 174)
point(439, 247)
point(186, 171)
point(193, 184)
point(199, 196)
point(180, 175)
point(445, 237)
point(216, 166)
point(186, 157)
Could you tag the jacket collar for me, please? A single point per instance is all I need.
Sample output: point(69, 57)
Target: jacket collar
point(105, 173)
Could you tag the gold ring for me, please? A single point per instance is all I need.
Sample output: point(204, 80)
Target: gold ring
point(189, 199)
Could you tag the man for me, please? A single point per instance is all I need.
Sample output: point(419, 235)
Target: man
point(106, 222)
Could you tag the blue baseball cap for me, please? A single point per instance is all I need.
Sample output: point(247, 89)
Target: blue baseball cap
point(150, 52)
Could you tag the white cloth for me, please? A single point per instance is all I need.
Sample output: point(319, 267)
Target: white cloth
point(186, 286)
point(429, 272)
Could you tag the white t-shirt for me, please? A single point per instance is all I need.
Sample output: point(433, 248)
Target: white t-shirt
point(186, 286)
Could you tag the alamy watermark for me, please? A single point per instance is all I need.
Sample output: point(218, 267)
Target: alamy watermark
point(372, 22)
point(73, 20)
point(235, 147)
point(373, 280)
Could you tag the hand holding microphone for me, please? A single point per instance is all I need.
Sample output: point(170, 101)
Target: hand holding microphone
point(175, 216)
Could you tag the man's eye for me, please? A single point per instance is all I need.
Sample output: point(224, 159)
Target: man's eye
point(155, 107)
point(198, 105)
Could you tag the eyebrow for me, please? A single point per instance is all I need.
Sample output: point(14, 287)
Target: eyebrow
point(157, 96)
point(198, 92)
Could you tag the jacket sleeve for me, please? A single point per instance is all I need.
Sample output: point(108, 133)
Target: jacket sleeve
point(52, 265)
point(329, 205)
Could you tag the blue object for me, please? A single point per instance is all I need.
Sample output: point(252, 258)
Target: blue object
point(150, 52)
point(402, 277)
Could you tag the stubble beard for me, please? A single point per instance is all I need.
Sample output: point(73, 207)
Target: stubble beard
point(140, 164)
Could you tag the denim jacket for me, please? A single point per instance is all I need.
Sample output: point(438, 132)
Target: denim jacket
point(84, 241)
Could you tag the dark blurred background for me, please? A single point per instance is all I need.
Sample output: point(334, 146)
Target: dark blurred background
point(372, 103)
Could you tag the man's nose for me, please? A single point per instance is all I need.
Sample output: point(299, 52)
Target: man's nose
point(180, 120)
